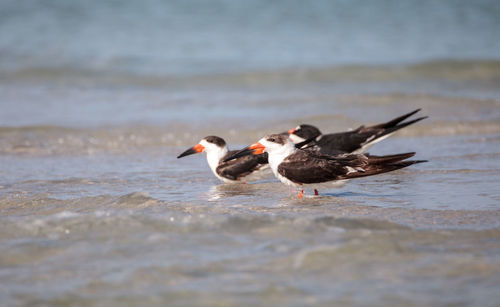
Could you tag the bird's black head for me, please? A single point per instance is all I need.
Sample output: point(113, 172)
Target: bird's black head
point(208, 143)
point(306, 131)
point(215, 140)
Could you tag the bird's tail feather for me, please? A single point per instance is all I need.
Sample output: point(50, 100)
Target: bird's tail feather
point(394, 122)
point(389, 158)
point(383, 164)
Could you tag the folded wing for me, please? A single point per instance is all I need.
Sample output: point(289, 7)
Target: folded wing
point(309, 167)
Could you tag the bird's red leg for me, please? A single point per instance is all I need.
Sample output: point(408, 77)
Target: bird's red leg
point(301, 193)
point(316, 192)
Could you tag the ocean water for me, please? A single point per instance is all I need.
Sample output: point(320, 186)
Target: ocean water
point(193, 37)
point(98, 99)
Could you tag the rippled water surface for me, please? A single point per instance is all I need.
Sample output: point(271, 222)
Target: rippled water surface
point(95, 209)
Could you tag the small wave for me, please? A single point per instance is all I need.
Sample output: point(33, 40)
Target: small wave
point(359, 223)
point(135, 200)
point(445, 69)
point(60, 140)
point(48, 140)
point(65, 215)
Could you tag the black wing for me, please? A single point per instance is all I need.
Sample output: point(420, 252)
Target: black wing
point(343, 141)
point(350, 141)
point(240, 167)
point(310, 167)
point(263, 158)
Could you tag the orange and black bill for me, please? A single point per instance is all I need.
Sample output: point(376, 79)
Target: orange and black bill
point(254, 149)
point(195, 149)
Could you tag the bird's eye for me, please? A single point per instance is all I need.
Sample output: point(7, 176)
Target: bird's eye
point(271, 140)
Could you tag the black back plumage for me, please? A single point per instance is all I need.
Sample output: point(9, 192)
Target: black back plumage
point(240, 167)
point(305, 167)
point(350, 141)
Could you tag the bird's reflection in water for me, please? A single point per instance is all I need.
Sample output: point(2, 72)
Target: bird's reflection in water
point(217, 192)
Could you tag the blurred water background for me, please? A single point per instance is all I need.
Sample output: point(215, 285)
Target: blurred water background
point(97, 98)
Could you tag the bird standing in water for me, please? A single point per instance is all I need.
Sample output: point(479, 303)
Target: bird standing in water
point(233, 171)
point(299, 168)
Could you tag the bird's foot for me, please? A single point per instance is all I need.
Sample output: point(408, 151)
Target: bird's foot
point(316, 192)
point(301, 194)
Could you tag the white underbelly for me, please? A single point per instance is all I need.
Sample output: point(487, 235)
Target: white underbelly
point(323, 185)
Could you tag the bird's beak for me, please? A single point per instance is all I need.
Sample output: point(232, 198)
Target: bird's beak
point(195, 149)
point(257, 148)
point(254, 149)
point(291, 131)
point(302, 144)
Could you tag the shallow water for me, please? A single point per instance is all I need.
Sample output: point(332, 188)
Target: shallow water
point(95, 209)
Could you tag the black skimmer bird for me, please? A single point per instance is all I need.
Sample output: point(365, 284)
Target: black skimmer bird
point(355, 141)
point(229, 172)
point(297, 167)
